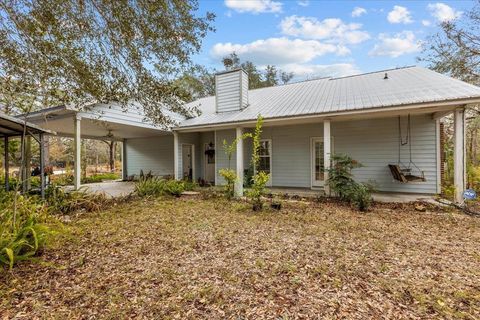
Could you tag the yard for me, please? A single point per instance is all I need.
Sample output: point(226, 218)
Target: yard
point(212, 259)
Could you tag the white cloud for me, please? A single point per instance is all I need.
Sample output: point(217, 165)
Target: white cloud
point(358, 11)
point(426, 23)
point(399, 14)
point(276, 51)
point(302, 71)
point(254, 6)
point(397, 45)
point(331, 30)
point(303, 3)
point(443, 12)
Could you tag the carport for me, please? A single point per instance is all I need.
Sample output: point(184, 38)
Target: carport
point(14, 127)
point(99, 121)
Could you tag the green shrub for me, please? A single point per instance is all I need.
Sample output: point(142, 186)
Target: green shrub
point(230, 177)
point(341, 182)
point(60, 201)
point(190, 185)
point(174, 187)
point(257, 190)
point(99, 177)
point(150, 187)
point(23, 229)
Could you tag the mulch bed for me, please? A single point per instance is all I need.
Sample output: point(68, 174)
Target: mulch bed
point(190, 258)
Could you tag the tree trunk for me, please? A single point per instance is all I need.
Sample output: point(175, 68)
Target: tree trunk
point(112, 146)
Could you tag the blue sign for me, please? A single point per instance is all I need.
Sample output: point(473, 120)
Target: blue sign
point(469, 194)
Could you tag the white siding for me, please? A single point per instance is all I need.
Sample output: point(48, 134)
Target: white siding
point(231, 91)
point(374, 143)
point(150, 154)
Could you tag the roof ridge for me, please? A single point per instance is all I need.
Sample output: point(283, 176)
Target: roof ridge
point(372, 72)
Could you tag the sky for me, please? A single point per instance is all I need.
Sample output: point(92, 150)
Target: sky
point(314, 38)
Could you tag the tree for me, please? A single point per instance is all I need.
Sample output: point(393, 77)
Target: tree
point(83, 52)
point(257, 78)
point(455, 50)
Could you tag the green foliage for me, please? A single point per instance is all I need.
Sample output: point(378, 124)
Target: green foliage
point(257, 190)
point(150, 187)
point(230, 177)
point(79, 52)
point(62, 202)
point(190, 185)
point(260, 178)
point(341, 182)
point(23, 228)
point(175, 187)
point(99, 177)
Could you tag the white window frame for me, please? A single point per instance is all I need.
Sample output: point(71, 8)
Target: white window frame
point(269, 183)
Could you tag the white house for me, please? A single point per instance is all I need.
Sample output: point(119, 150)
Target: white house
point(391, 117)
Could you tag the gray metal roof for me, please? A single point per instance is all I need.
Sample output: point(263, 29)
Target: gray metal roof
point(404, 86)
point(11, 126)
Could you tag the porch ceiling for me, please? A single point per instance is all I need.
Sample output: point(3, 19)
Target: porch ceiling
point(61, 120)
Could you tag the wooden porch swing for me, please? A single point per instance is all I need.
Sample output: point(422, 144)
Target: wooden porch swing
point(401, 172)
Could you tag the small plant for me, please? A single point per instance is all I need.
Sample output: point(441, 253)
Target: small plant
point(260, 178)
point(150, 187)
point(23, 228)
point(60, 201)
point(340, 180)
point(175, 187)
point(230, 177)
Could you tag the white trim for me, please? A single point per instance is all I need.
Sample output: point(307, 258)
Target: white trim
point(439, 155)
point(312, 163)
point(270, 151)
point(459, 154)
point(327, 150)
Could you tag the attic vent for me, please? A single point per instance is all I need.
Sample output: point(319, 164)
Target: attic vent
point(231, 90)
point(386, 76)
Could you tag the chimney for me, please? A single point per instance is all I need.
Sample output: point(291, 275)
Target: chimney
point(231, 90)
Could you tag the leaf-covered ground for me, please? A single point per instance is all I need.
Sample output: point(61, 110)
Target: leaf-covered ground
point(211, 259)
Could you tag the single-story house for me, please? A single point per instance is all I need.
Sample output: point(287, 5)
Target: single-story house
point(389, 120)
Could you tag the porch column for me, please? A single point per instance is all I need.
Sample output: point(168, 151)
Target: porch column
point(77, 138)
point(6, 164)
point(327, 147)
point(124, 160)
point(459, 159)
point(175, 155)
point(42, 165)
point(239, 167)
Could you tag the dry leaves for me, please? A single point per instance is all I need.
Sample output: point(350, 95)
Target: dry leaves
point(193, 258)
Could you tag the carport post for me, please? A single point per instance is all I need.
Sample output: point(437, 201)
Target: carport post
point(327, 149)
point(459, 159)
point(77, 151)
point(6, 164)
point(42, 165)
point(175, 155)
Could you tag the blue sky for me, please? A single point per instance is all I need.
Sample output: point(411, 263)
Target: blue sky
point(324, 38)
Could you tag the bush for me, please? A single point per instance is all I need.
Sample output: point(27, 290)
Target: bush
point(62, 202)
point(23, 229)
point(150, 187)
point(174, 187)
point(230, 177)
point(99, 177)
point(341, 182)
point(257, 190)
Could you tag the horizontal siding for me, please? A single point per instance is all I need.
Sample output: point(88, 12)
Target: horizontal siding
point(150, 154)
point(374, 143)
point(228, 92)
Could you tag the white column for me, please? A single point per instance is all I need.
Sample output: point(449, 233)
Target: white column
point(239, 167)
point(327, 147)
point(459, 159)
point(77, 139)
point(175, 155)
point(124, 160)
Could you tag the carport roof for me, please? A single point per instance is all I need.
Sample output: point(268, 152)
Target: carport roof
point(11, 126)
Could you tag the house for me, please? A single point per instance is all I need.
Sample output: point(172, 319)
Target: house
point(391, 117)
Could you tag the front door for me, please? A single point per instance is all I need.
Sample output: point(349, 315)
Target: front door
point(210, 162)
point(317, 162)
point(187, 167)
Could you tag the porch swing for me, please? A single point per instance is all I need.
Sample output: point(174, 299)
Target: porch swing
point(401, 172)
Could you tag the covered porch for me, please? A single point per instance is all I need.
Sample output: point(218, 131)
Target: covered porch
point(98, 122)
point(297, 152)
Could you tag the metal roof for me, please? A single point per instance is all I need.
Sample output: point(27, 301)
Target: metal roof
point(11, 126)
point(402, 86)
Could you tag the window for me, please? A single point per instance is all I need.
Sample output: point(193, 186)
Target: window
point(265, 155)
